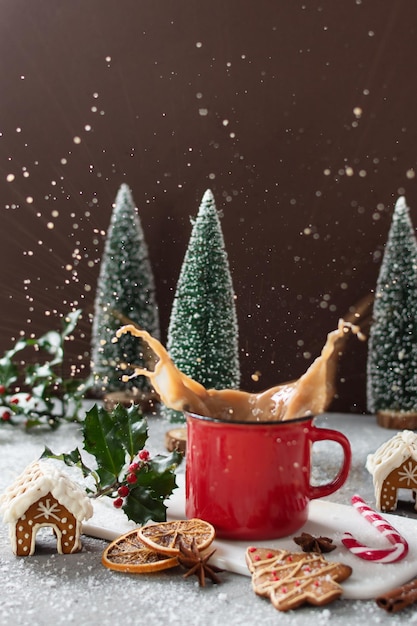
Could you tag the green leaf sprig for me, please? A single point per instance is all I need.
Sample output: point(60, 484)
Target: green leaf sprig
point(48, 396)
point(125, 471)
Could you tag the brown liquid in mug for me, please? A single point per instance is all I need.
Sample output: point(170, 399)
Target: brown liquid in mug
point(310, 394)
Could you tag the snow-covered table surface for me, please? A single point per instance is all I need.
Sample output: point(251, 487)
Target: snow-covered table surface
point(76, 589)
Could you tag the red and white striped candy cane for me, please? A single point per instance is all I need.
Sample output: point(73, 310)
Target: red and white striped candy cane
point(388, 555)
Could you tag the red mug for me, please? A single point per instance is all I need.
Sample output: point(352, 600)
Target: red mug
point(251, 480)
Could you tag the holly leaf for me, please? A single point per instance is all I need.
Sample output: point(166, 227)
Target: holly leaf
point(71, 459)
point(21, 344)
point(8, 372)
point(163, 464)
point(101, 440)
point(43, 373)
point(131, 428)
point(69, 322)
point(155, 482)
point(159, 474)
point(53, 341)
point(142, 506)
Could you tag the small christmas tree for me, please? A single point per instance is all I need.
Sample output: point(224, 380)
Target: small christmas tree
point(392, 349)
point(203, 330)
point(125, 291)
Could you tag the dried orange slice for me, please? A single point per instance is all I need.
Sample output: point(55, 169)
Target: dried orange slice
point(165, 537)
point(129, 554)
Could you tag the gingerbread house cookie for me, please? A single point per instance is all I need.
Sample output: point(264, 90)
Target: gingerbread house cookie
point(44, 496)
point(394, 466)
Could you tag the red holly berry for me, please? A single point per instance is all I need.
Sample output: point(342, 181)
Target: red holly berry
point(131, 478)
point(118, 503)
point(5, 416)
point(2, 390)
point(133, 467)
point(144, 455)
point(14, 401)
point(123, 491)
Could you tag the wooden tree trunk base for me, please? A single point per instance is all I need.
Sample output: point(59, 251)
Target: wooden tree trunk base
point(147, 401)
point(397, 420)
point(176, 439)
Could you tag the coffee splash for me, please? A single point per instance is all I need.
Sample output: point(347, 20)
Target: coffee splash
point(310, 394)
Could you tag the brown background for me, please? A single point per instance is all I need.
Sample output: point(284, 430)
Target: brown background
point(299, 115)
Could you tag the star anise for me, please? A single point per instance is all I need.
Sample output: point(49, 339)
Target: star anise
point(308, 543)
point(196, 563)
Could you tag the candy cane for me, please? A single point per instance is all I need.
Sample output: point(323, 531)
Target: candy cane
point(388, 555)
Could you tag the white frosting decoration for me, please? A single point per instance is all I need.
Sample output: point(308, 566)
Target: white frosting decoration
point(391, 455)
point(36, 481)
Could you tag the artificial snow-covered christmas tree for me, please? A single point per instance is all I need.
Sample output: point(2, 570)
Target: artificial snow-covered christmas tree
point(125, 292)
point(203, 329)
point(392, 349)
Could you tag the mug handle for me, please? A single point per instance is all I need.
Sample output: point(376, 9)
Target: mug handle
point(322, 434)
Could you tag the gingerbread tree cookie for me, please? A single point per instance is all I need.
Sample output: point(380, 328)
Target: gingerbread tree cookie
point(290, 579)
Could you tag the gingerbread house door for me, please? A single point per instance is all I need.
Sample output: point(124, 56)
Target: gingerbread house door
point(46, 511)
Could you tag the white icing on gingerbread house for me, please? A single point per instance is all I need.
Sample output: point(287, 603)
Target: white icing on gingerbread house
point(394, 466)
point(44, 496)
